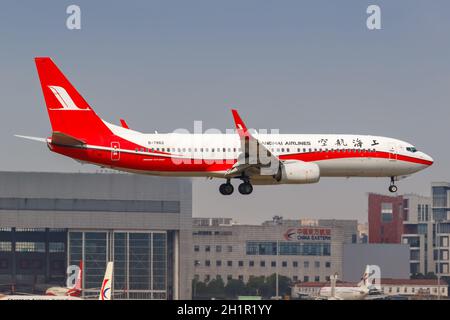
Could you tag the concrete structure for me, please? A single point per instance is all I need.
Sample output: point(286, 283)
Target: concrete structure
point(389, 287)
point(143, 224)
point(392, 259)
point(302, 250)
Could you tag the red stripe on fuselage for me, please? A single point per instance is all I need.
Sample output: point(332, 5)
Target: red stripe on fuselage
point(147, 162)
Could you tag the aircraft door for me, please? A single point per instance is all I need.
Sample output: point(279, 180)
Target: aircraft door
point(115, 151)
point(392, 152)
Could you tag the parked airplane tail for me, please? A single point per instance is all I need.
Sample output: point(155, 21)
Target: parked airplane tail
point(105, 291)
point(365, 279)
point(76, 290)
point(70, 115)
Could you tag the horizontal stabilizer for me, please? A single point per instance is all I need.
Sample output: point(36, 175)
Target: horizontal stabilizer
point(63, 139)
point(31, 138)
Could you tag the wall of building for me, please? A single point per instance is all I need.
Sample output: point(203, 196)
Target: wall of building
point(104, 203)
point(393, 260)
point(385, 216)
point(241, 251)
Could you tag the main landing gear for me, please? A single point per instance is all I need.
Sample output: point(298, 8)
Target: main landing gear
point(392, 187)
point(244, 188)
point(226, 188)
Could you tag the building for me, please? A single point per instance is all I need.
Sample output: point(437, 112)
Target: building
point(52, 220)
point(301, 250)
point(389, 287)
point(421, 217)
point(363, 230)
point(385, 218)
point(440, 192)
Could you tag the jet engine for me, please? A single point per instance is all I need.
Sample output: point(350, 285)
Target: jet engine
point(297, 172)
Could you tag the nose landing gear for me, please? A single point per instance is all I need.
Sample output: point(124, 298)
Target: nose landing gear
point(392, 187)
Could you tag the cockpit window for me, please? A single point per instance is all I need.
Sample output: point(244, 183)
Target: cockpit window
point(411, 149)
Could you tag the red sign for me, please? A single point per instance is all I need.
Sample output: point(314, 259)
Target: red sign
point(308, 233)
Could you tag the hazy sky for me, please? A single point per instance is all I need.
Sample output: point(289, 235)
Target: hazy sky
point(300, 66)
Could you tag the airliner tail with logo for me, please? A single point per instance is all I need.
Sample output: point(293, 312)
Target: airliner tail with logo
point(246, 156)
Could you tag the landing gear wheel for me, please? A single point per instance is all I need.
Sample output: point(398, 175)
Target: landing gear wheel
point(226, 189)
point(393, 188)
point(245, 188)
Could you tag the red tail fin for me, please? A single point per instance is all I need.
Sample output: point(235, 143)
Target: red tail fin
point(69, 113)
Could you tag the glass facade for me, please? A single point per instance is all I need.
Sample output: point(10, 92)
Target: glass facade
point(140, 262)
point(288, 248)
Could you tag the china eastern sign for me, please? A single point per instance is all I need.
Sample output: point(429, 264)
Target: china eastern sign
point(308, 233)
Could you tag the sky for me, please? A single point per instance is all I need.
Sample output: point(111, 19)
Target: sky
point(297, 66)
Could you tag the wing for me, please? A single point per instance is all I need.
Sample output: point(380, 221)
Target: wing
point(255, 158)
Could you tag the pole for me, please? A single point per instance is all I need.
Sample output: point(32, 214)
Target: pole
point(439, 261)
point(278, 262)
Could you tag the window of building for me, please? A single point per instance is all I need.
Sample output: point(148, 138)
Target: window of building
point(207, 278)
point(229, 263)
point(229, 248)
point(305, 279)
point(327, 278)
point(317, 278)
point(316, 264)
point(3, 264)
point(295, 264)
point(251, 263)
point(196, 248)
point(218, 263)
point(196, 263)
point(306, 264)
point(5, 246)
point(386, 212)
point(218, 248)
point(262, 263)
point(241, 277)
point(295, 278)
point(57, 247)
point(30, 246)
point(229, 277)
point(273, 264)
point(241, 263)
point(328, 264)
point(207, 248)
point(207, 263)
point(284, 264)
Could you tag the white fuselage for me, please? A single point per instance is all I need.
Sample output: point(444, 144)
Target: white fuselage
point(211, 155)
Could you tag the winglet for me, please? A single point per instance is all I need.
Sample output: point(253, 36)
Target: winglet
point(240, 125)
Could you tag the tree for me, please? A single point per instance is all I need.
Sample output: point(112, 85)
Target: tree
point(284, 285)
point(235, 288)
point(256, 285)
point(216, 287)
point(199, 289)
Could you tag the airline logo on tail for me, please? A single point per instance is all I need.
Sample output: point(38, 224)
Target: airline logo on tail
point(64, 99)
point(105, 292)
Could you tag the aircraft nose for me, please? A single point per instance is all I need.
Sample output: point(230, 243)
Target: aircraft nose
point(428, 158)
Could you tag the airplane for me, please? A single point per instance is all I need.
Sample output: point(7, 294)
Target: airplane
point(74, 291)
point(358, 292)
point(254, 158)
point(105, 291)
